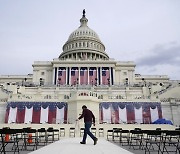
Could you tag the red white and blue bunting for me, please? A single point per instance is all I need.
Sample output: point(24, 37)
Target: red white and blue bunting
point(130, 112)
point(36, 112)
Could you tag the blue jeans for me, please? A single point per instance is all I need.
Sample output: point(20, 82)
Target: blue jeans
point(87, 132)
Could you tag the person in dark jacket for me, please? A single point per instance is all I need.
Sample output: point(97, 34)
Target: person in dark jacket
point(89, 119)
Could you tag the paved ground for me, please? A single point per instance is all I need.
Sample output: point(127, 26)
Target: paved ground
point(72, 145)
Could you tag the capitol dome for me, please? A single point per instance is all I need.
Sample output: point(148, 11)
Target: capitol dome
point(83, 44)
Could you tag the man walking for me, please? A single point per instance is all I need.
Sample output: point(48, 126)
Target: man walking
point(89, 118)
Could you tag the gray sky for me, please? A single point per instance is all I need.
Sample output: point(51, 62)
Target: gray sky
point(144, 31)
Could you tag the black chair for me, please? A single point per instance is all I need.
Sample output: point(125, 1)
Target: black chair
point(50, 135)
point(116, 134)
point(101, 132)
point(56, 134)
point(177, 128)
point(124, 137)
point(81, 132)
point(93, 131)
point(171, 142)
point(42, 136)
point(10, 139)
point(153, 141)
point(136, 139)
point(30, 139)
point(72, 132)
point(62, 132)
point(109, 134)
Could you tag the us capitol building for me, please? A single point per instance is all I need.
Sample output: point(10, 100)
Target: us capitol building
point(84, 74)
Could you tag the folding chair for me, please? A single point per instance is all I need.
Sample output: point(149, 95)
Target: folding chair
point(50, 135)
point(11, 139)
point(42, 136)
point(116, 133)
point(93, 131)
point(136, 139)
point(109, 134)
point(124, 137)
point(30, 139)
point(81, 132)
point(72, 132)
point(171, 142)
point(62, 132)
point(101, 132)
point(56, 134)
point(153, 138)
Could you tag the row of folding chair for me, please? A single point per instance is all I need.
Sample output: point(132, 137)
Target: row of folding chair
point(72, 132)
point(26, 139)
point(9, 137)
point(160, 141)
point(93, 131)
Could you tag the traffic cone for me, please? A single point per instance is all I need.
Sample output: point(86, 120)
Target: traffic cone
point(29, 138)
point(6, 138)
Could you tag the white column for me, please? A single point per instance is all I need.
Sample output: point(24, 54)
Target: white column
point(53, 74)
point(114, 76)
point(57, 81)
point(101, 75)
point(97, 76)
point(88, 74)
point(110, 76)
point(78, 75)
point(66, 75)
point(69, 75)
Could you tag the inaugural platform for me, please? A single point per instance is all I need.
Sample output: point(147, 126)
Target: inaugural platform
point(71, 145)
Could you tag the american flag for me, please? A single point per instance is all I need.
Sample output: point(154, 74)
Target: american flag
point(83, 76)
point(74, 76)
point(62, 76)
point(92, 76)
point(105, 76)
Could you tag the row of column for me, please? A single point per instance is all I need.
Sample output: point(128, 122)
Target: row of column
point(69, 76)
point(83, 56)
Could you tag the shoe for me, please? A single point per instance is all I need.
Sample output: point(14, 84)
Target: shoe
point(95, 141)
point(82, 143)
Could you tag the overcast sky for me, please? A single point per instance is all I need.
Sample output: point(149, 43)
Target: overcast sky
point(144, 31)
